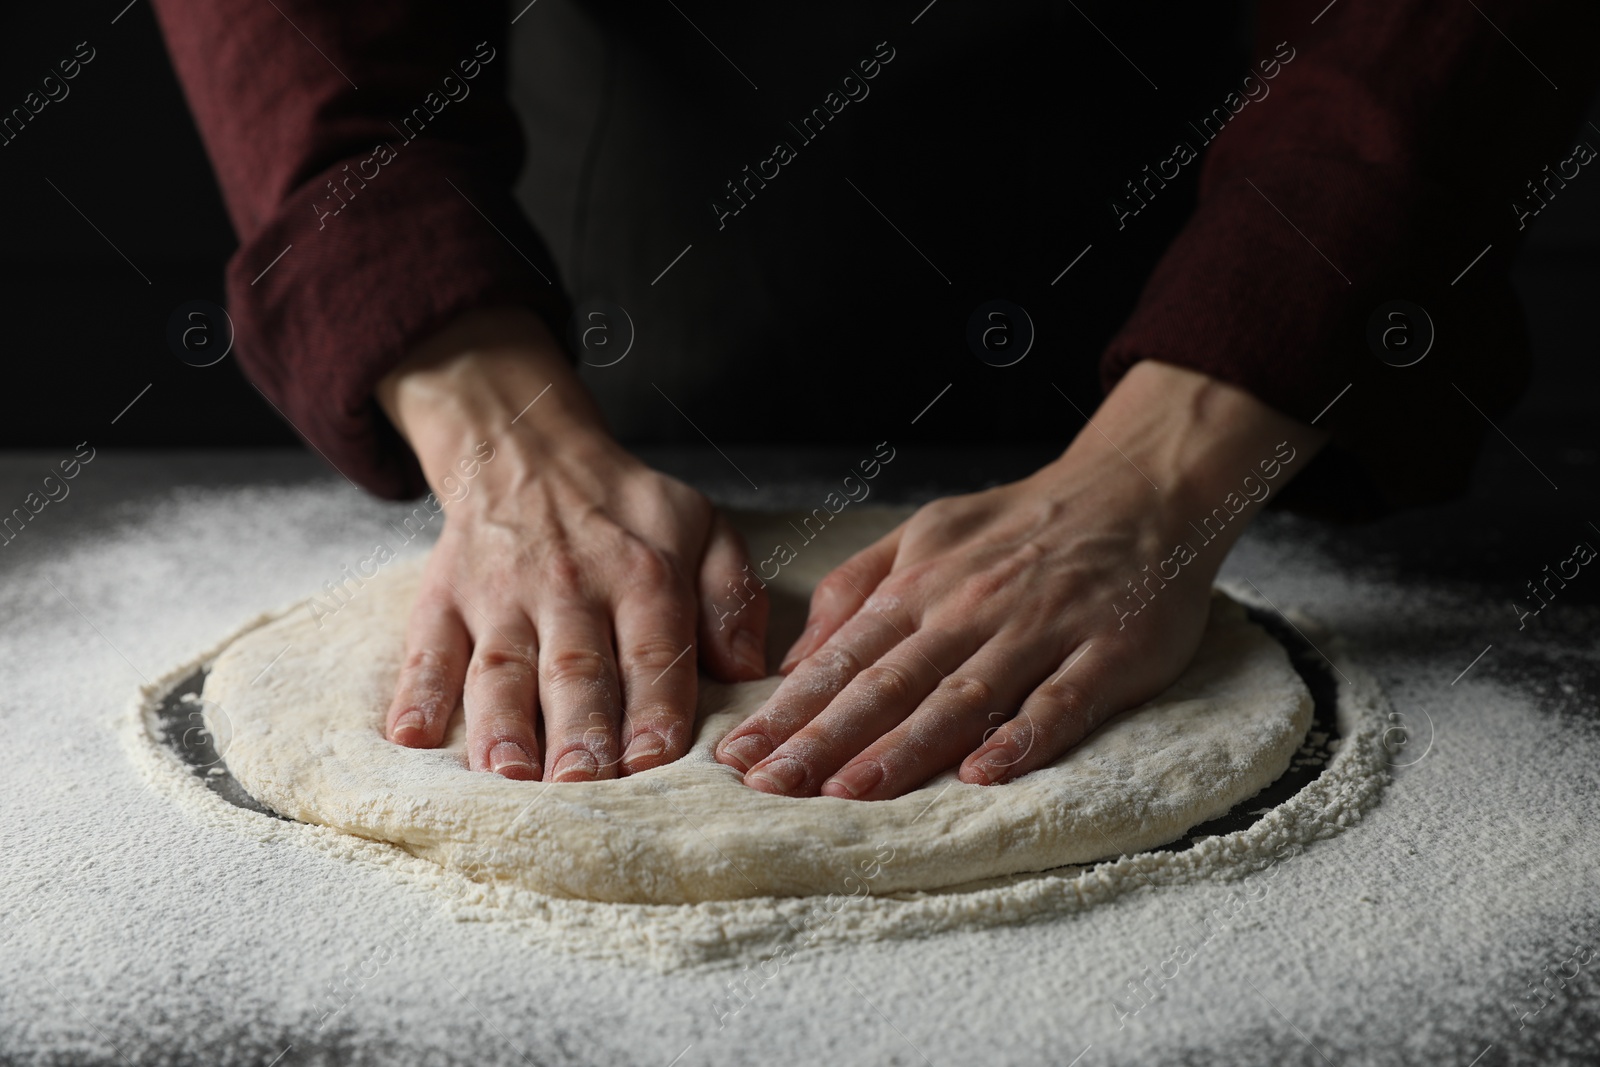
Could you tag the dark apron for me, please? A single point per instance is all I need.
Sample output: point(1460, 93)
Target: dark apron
point(848, 235)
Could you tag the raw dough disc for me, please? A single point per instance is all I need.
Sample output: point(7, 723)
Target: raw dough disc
point(305, 739)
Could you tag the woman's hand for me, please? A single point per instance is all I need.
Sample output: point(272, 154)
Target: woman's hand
point(1055, 595)
point(571, 582)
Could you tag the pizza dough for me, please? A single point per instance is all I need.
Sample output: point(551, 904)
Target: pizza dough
point(301, 699)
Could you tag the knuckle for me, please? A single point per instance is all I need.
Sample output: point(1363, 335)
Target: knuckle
point(967, 691)
point(649, 567)
point(738, 547)
point(502, 660)
point(1031, 552)
point(884, 601)
point(984, 585)
point(1054, 715)
point(563, 573)
point(576, 667)
point(889, 682)
point(673, 493)
point(830, 589)
point(910, 589)
point(937, 512)
point(839, 587)
point(657, 654)
point(833, 666)
point(1064, 698)
point(425, 665)
point(645, 712)
point(437, 598)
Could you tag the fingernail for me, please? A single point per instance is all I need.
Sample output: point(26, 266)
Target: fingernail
point(510, 760)
point(643, 746)
point(412, 723)
point(748, 651)
point(854, 781)
point(993, 766)
point(747, 751)
point(782, 775)
point(576, 766)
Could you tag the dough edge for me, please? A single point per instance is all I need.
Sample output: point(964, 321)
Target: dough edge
point(665, 938)
point(689, 833)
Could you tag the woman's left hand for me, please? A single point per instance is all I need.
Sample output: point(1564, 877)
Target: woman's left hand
point(998, 629)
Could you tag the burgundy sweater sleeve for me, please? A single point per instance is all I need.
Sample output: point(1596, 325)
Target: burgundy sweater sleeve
point(1388, 152)
point(366, 151)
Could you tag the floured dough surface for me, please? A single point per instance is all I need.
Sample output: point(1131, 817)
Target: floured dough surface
point(305, 738)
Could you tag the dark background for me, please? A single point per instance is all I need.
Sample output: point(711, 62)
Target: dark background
point(87, 328)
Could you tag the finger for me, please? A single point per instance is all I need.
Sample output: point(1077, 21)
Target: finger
point(425, 695)
point(1059, 713)
point(812, 685)
point(733, 608)
point(965, 707)
point(655, 652)
point(874, 702)
point(840, 595)
point(500, 696)
point(578, 693)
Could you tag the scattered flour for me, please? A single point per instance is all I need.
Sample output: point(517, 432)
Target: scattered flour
point(137, 929)
point(670, 936)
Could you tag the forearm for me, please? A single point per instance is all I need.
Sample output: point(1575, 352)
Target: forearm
point(361, 215)
point(1333, 187)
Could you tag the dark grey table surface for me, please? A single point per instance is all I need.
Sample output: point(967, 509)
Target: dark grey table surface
point(1425, 594)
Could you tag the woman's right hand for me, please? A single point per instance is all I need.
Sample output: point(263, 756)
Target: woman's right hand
point(570, 583)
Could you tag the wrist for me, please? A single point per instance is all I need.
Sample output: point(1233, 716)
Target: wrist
point(493, 378)
point(1190, 446)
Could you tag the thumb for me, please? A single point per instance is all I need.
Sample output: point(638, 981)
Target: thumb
point(841, 594)
point(733, 608)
